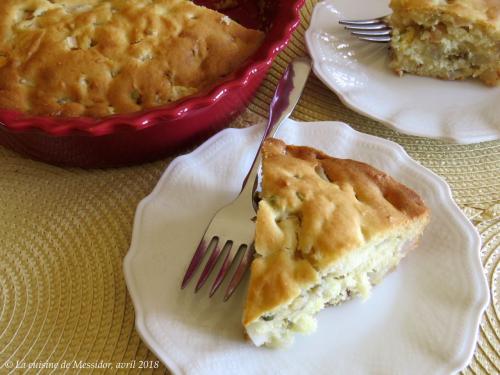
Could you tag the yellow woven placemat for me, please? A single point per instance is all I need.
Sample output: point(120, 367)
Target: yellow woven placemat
point(64, 233)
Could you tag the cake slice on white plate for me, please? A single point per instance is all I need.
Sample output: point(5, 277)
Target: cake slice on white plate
point(327, 230)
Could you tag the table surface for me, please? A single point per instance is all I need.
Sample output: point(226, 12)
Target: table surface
point(64, 233)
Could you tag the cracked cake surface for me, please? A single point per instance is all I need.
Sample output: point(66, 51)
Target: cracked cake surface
point(326, 229)
point(103, 57)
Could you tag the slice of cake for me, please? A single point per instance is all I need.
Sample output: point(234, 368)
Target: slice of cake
point(327, 230)
point(449, 39)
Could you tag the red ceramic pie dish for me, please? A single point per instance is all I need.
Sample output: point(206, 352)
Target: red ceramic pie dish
point(148, 135)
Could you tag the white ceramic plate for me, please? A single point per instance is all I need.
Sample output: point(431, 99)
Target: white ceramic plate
point(357, 71)
point(422, 319)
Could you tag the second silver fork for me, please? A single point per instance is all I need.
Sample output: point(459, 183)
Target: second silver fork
point(232, 229)
point(371, 30)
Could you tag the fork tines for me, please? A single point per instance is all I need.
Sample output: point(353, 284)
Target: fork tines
point(247, 253)
point(372, 30)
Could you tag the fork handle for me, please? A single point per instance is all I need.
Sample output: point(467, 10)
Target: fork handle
point(285, 99)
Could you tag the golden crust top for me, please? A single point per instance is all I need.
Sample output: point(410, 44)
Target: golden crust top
point(314, 210)
point(486, 11)
point(101, 57)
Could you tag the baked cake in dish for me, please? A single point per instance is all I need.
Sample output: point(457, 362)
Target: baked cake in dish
point(327, 229)
point(449, 39)
point(103, 57)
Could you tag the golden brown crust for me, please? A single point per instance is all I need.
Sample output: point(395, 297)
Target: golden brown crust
point(316, 209)
point(487, 11)
point(96, 58)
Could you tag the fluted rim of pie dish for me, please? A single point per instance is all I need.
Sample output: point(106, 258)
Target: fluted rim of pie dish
point(285, 23)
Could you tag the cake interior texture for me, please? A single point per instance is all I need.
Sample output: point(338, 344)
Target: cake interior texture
point(327, 230)
point(352, 276)
point(448, 39)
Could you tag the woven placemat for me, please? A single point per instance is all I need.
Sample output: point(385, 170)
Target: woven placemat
point(64, 233)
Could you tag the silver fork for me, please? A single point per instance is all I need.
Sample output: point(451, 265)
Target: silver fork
point(372, 30)
point(232, 229)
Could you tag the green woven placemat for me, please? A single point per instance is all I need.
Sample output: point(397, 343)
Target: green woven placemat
point(64, 233)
